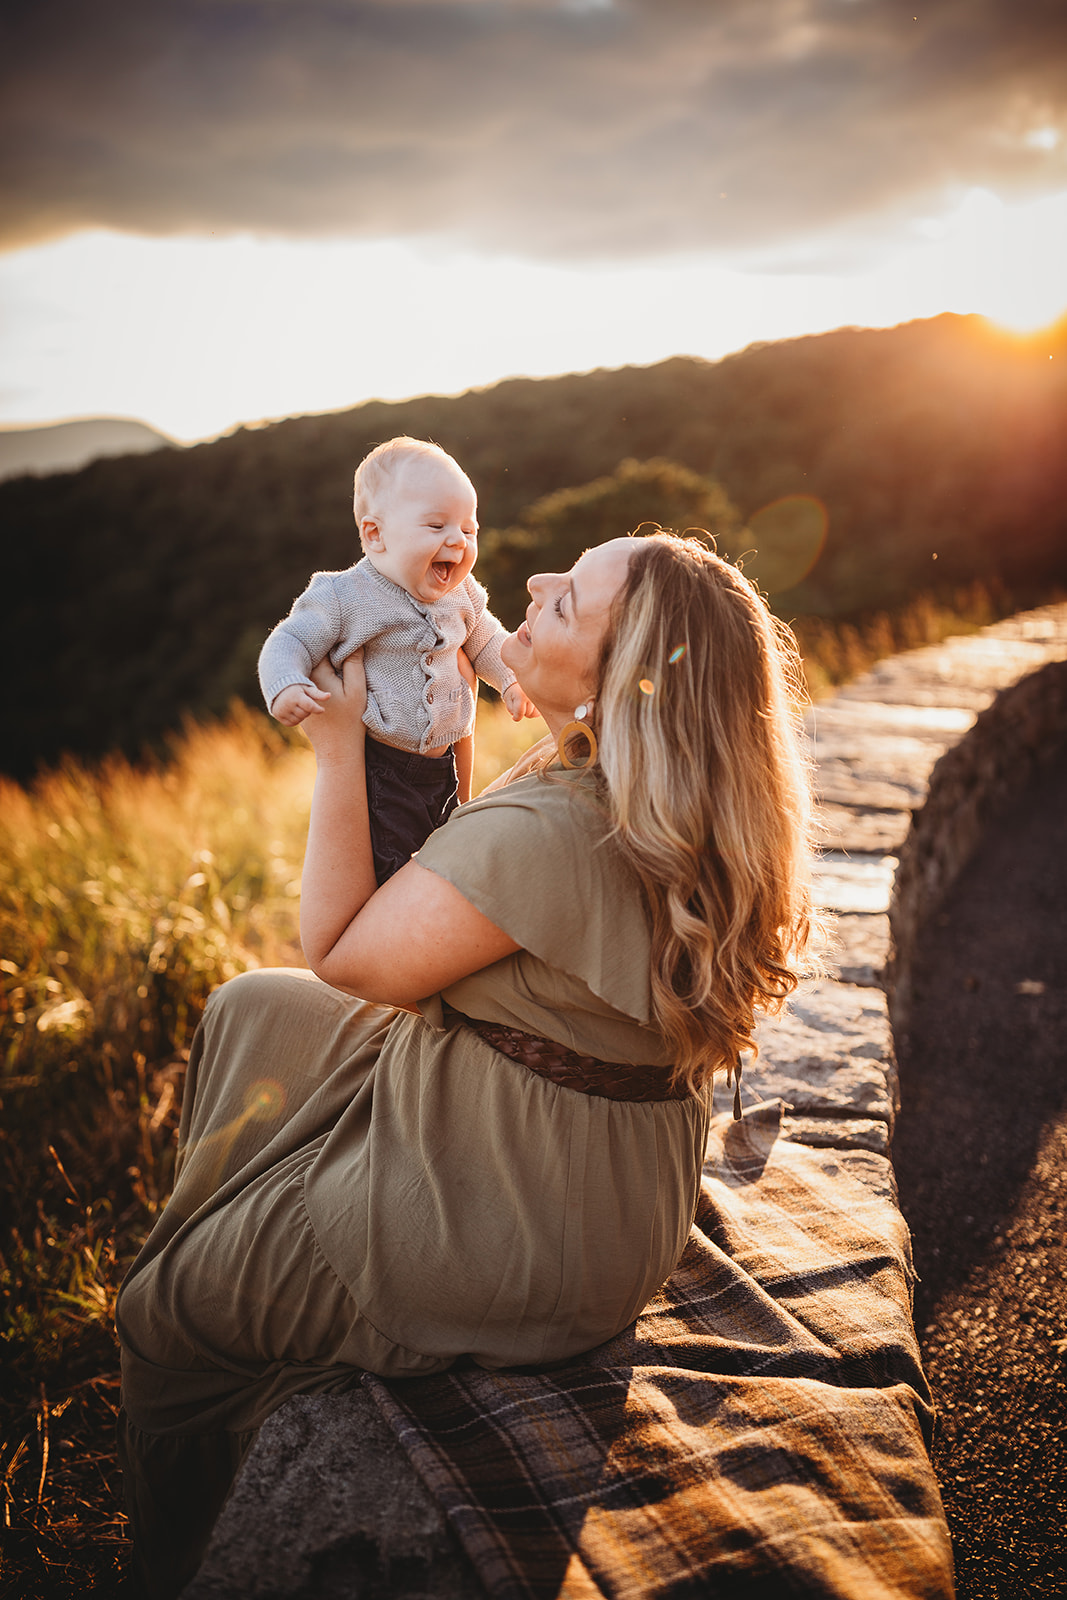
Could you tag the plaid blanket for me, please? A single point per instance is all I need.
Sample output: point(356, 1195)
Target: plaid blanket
point(761, 1430)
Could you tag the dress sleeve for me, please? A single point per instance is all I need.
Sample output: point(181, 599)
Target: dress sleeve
point(537, 859)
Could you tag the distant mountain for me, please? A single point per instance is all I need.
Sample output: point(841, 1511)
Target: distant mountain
point(66, 446)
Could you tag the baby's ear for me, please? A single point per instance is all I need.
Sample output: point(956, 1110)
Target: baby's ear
point(371, 534)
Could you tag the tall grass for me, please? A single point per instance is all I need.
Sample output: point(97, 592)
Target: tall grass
point(125, 896)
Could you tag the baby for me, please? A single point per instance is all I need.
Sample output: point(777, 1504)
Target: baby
point(421, 619)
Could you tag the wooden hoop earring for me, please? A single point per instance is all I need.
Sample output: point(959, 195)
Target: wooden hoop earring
point(572, 731)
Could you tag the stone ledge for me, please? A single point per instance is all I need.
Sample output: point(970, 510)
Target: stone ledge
point(860, 949)
point(828, 1055)
point(969, 785)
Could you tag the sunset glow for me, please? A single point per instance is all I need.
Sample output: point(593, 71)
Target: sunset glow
point(195, 335)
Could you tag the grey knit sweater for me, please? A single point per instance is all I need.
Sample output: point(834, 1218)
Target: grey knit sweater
point(417, 698)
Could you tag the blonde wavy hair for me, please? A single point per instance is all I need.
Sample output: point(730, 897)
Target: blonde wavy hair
point(697, 716)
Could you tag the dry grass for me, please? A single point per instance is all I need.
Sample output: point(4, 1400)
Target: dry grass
point(126, 894)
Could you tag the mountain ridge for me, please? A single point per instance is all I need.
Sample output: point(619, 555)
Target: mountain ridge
point(50, 447)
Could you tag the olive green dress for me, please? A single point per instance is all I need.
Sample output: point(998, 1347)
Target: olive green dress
point(365, 1188)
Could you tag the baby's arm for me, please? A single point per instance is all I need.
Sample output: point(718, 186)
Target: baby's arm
point(463, 749)
point(312, 629)
point(483, 648)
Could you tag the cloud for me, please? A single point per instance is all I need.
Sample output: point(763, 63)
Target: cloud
point(557, 128)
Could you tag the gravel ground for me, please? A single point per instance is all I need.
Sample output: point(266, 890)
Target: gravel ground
point(981, 1158)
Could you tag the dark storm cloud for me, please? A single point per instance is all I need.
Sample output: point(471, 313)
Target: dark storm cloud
point(570, 129)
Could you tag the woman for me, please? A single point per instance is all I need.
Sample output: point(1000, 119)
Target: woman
point(507, 1170)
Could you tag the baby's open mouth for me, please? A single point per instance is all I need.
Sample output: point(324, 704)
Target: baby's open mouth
point(442, 570)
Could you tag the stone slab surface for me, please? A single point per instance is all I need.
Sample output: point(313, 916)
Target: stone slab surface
point(831, 721)
point(860, 949)
point(840, 1133)
point(890, 774)
point(830, 1054)
point(854, 880)
point(855, 827)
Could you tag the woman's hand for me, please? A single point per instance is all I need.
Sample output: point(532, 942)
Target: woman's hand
point(337, 733)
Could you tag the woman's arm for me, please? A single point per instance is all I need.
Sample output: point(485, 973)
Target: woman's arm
point(415, 934)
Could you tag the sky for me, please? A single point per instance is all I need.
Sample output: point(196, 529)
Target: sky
point(218, 211)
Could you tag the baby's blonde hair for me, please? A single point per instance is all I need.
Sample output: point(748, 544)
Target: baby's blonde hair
point(377, 473)
point(702, 764)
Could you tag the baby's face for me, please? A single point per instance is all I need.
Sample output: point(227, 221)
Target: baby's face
point(425, 537)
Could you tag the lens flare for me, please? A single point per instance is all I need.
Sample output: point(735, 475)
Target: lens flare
point(789, 535)
point(676, 654)
point(264, 1100)
point(646, 686)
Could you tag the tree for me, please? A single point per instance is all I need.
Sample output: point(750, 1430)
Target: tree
point(553, 532)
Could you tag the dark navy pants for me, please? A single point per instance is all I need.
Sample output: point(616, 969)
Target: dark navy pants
point(408, 796)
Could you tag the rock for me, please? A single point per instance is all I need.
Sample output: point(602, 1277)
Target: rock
point(967, 787)
point(328, 1507)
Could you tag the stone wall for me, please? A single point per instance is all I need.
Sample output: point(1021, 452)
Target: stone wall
point(969, 785)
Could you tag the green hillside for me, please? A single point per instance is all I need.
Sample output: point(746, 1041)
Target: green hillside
point(931, 455)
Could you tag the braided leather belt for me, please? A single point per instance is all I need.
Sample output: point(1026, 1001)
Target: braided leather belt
point(611, 1080)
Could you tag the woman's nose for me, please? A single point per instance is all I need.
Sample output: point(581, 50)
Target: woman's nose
point(537, 581)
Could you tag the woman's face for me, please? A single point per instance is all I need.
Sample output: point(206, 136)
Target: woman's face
point(555, 653)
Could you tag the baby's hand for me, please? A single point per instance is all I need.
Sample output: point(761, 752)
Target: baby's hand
point(298, 702)
point(518, 704)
